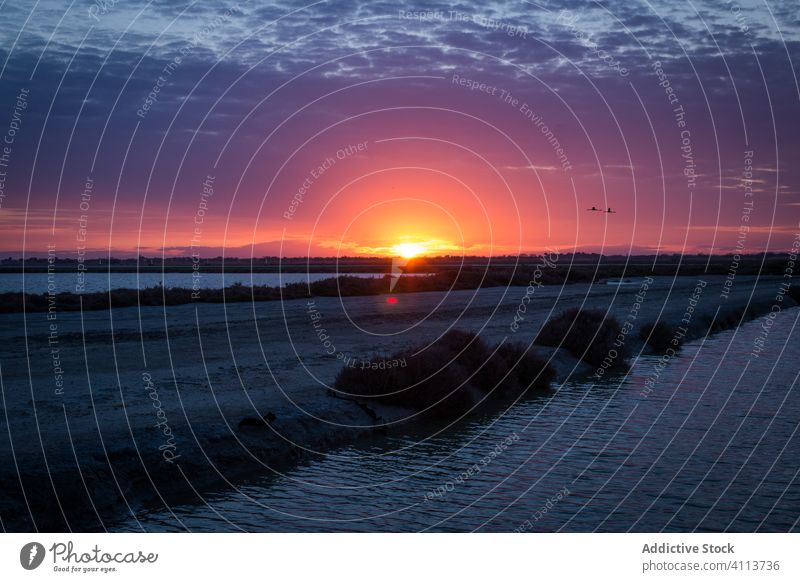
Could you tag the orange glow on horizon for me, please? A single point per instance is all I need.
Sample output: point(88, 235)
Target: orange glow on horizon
point(409, 250)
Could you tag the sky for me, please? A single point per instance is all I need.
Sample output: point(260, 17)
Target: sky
point(342, 128)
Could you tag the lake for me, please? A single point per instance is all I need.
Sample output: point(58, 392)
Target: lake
point(713, 447)
point(93, 282)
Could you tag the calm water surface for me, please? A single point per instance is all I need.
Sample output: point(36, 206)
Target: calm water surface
point(714, 447)
point(93, 282)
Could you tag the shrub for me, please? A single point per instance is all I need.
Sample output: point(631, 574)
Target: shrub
point(448, 377)
point(588, 334)
point(658, 336)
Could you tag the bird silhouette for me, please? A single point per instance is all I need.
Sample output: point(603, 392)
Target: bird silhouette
point(596, 209)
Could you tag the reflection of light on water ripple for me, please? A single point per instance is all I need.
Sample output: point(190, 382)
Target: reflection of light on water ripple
point(695, 454)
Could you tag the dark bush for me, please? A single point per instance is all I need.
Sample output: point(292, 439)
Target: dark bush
point(588, 334)
point(658, 336)
point(447, 377)
point(733, 318)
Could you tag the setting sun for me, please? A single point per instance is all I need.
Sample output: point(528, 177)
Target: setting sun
point(409, 250)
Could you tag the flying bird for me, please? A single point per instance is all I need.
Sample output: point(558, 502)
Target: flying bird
point(609, 211)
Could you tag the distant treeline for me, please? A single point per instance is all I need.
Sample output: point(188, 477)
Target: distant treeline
point(547, 272)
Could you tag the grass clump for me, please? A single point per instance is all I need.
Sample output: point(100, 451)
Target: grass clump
point(733, 318)
point(659, 335)
point(588, 334)
point(448, 377)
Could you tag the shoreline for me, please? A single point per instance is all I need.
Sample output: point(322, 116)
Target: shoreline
point(214, 366)
point(423, 277)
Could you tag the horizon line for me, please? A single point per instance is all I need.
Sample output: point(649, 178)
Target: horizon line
point(46, 257)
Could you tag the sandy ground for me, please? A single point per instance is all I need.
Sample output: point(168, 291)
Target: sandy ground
point(151, 400)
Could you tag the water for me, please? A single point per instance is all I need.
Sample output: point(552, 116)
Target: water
point(93, 282)
point(714, 447)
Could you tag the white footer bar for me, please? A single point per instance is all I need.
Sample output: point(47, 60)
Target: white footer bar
point(400, 557)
